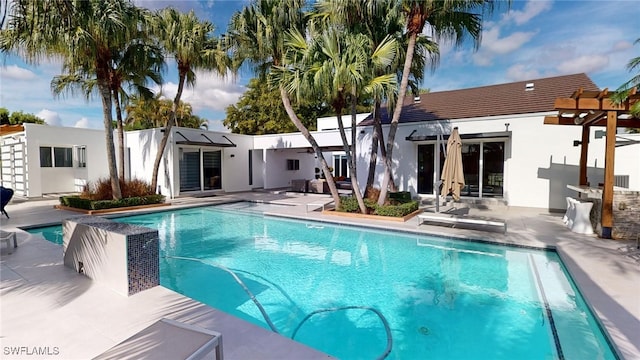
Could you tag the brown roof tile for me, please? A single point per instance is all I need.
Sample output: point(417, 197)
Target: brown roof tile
point(493, 100)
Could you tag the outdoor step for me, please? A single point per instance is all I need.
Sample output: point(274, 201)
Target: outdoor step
point(473, 203)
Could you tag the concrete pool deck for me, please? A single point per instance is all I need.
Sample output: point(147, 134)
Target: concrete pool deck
point(52, 310)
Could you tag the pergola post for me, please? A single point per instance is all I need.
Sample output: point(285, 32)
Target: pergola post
point(584, 150)
point(607, 190)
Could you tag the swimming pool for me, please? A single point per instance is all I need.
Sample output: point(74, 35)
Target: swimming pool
point(441, 298)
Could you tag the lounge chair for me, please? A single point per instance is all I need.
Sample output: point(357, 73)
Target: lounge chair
point(5, 196)
point(168, 339)
point(7, 236)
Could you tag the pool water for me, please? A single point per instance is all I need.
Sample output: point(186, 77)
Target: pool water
point(442, 299)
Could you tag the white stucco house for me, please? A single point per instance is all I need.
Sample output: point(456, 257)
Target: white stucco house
point(508, 153)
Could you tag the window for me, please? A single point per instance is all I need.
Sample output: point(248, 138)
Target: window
point(81, 155)
point(56, 157)
point(63, 157)
point(45, 157)
point(293, 164)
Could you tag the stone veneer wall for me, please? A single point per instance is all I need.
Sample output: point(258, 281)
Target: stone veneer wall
point(122, 256)
point(626, 215)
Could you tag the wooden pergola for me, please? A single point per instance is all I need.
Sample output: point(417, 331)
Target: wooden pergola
point(596, 108)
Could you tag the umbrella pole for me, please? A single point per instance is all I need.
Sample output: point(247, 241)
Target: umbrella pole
point(436, 184)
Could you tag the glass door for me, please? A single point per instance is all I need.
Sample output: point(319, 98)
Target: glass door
point(189, 169)
point(492, 168)
point(426, 154)
point(212, 169)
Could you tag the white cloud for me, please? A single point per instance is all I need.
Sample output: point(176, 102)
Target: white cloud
point(493, 45)
point(15, 72)
point(83, 123)
point(621, 46)
point(531, 10)
point(584, 63)
point(521, 72)
point(50, 117)
point(211, 92)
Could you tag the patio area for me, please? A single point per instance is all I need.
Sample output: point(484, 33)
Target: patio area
point(49, 311)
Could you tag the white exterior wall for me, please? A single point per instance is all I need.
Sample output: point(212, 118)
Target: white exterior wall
point(278, 148)
point(144, 145)
point(540, 160)
point(627, 160)
point(277, 174)
point(63, 179)
point(331, 122)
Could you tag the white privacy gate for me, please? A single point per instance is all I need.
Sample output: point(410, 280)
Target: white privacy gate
point(14, 166)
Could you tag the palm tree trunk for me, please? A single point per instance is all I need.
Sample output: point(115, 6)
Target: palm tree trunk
point(116, 100)
point(314, 144)
point(167, 131)
point(376, 139)
point(388, 176)
point(351, 157)
point(105, 94)
point(352, 171)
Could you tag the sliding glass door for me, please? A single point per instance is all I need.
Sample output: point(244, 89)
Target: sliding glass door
point(483, 166)
point(200, 169)
point(212, 168)
point(189, 169)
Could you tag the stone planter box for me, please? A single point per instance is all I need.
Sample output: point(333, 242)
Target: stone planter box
point(372, 217)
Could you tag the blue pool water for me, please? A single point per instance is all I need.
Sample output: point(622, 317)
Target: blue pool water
point(442, 299)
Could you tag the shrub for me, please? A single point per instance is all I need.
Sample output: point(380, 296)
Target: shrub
point(399, 210)
point(399, 197)
point(101, 189)
point(372, 194)
point(124, 202)
point(135, 188)
point(87, 204)
point(75, 202)
point(349, 204)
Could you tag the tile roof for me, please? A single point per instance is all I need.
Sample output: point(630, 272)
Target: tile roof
point(493, 100)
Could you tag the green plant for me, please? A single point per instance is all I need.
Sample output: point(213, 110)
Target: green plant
point(349, 204)
point(88, 204)
point(101, 189)
point(399, 197)
point(399, 210)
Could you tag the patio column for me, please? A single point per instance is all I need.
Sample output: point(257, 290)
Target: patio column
point(584, 148)
point(607, 190)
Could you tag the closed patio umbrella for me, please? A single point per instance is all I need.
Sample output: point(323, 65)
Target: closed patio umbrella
point(452, 173)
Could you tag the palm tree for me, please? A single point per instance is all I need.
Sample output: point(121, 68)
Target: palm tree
point(257, 36)
point(192, 46)
point(85, 35)
point(379, 19)
point(449, 20)
point(341, 69)
point(133, 67)
point(623, 92)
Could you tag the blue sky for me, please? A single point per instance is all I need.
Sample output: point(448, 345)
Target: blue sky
point(534, 39)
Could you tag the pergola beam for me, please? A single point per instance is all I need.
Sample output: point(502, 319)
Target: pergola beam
point(561, 120)
point(585, 104)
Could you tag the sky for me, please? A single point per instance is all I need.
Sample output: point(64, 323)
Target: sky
point(533, 39)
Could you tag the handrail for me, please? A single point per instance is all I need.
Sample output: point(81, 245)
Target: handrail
point(387, 329)
point(241, 283)
point(266, 317)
